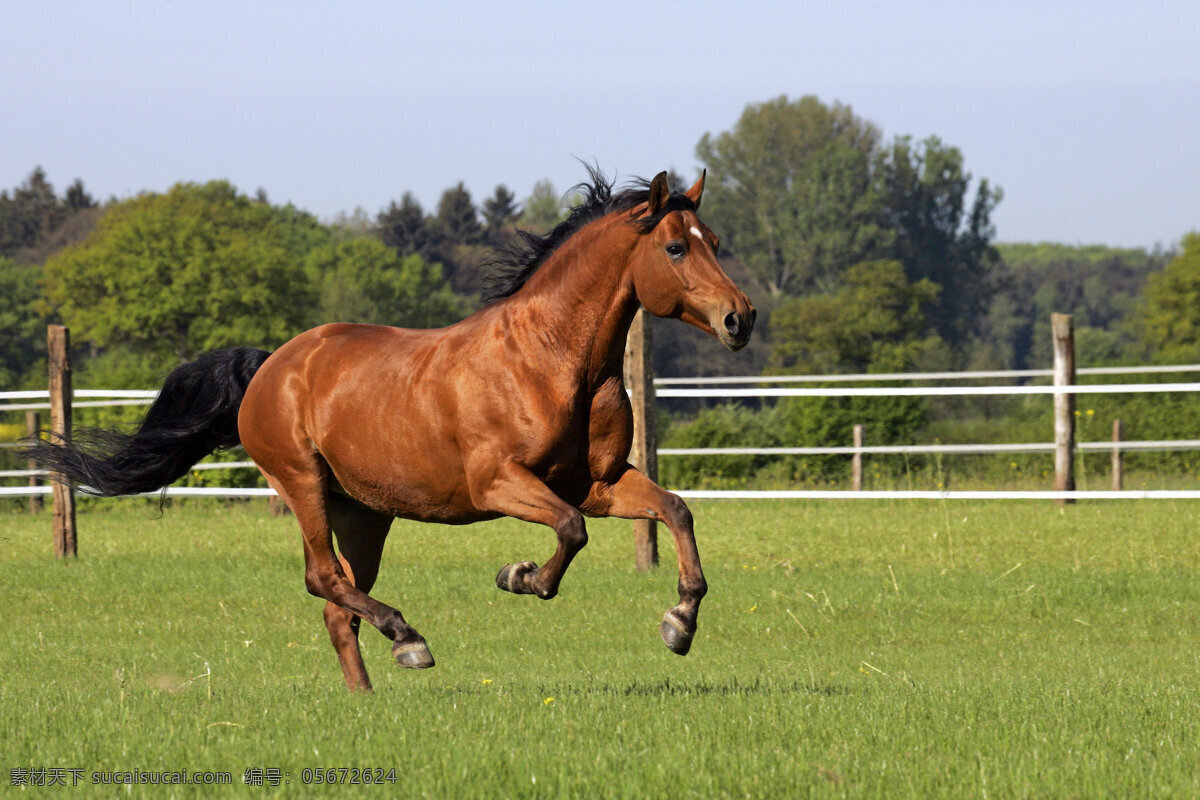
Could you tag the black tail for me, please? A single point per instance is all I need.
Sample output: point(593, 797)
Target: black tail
point(196, 413)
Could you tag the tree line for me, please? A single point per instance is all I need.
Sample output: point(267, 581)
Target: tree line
point(864, 254)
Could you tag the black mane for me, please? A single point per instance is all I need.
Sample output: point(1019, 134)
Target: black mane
point(512, 266)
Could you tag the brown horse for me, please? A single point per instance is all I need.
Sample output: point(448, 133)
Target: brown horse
point(518, 410)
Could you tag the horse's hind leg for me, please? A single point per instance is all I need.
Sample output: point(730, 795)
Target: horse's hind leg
point(306, 491)
point(361, 534)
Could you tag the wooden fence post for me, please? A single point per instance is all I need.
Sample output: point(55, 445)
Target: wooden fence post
point(856, 467)
point(639, 377)
point(1062, 327)
point(32, 423)
point(1118, 465)
point(58, 341)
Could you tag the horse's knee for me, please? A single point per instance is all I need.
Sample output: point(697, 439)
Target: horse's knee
point(322, 583)
point(572, 532)
point(313, 583)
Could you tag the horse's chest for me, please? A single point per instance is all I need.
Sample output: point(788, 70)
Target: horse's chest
point(592, 437)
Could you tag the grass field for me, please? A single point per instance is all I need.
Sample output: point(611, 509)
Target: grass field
point(846, 649)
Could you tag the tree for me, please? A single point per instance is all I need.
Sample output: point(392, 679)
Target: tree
point(198, 268)
point(22, 333)
point(1168, 321)
point(791, 190)
point(457, 239)
point(543, 209)
point(1100, 286)
point(874, 322)
point(500, 215)
point(404, 228)
point(363, 280)
point(937, 237)
point(34, 222)
point(31, 212)
point(457, 219)
point(800, 191)
point(77, 199)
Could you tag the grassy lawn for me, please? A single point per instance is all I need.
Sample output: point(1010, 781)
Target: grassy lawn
point(846, 649)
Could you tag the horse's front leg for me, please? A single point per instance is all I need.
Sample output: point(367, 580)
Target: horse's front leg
point(514, 491)
point(634, 496)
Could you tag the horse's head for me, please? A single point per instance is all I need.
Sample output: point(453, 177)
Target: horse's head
point(675, 268)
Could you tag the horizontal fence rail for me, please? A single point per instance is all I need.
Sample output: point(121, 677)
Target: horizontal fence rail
point(735, 494)
point(932, 391)
point(113, 397)
point(815, 391)
point(909, 449)
point(1014, 374)
point(726, 387)
point(145, 396)
point(833, 494)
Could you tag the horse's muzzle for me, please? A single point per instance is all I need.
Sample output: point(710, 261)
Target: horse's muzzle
point(735, 326)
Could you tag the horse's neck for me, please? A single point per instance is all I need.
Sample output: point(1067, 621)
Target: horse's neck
point(582, 303)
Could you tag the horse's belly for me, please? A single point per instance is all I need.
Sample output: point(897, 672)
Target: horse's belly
point(428, 492)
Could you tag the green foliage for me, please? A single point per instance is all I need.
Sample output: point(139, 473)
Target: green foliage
point(22, 333)
point(830, 421)
point(793, 422)
point(724, 426)
point(500, 214)
point(790, 191)
point(363, 280)
point(872, 323)
point(198, 268)
point(543, 209)
point(1100, 286)
point(34, 222)
point(802, 191)
point(1169, 318)
point(403, 227)
point(30, 213)
point(938, 238)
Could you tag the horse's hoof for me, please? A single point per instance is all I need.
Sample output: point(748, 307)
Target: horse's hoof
point(676, 634)
point(414, 655)
point(510, 578)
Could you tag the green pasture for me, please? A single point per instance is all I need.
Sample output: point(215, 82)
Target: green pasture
point(846, 649)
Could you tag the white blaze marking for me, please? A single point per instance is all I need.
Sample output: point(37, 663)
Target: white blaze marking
point(696, 232)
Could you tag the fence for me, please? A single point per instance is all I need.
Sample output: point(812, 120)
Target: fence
point(60, 399)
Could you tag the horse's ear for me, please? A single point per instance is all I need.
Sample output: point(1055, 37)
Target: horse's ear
point(697, 189)
point(660, 192)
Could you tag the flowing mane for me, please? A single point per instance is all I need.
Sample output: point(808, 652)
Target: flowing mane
point(512, 266)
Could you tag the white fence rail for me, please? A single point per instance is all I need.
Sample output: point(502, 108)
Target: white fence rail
point(700, 494)
point(729, 390)
point(1012, 374)
point(931, 391)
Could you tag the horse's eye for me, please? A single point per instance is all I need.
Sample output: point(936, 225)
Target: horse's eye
point(676, 250)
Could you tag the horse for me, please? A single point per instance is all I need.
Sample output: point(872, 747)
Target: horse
point(518, 410)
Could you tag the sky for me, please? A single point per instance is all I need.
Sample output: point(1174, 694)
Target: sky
point(1086, 114)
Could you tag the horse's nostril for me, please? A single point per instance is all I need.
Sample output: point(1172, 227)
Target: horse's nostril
point(732, 325)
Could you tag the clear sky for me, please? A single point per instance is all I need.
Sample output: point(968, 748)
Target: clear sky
point(1086, 113)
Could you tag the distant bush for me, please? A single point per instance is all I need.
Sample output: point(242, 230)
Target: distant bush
point(793, 422)
point(729, 425)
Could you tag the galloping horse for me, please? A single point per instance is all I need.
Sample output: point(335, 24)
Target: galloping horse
point(518, 410)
